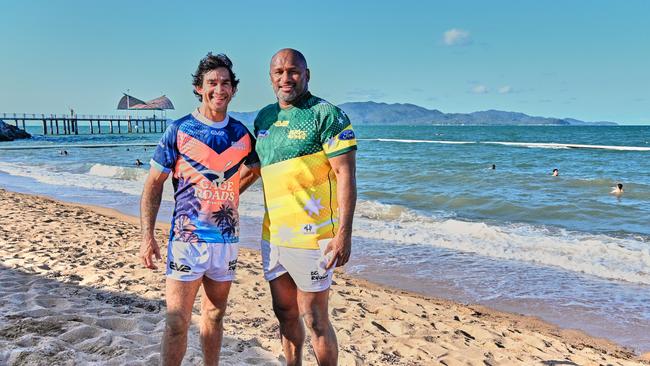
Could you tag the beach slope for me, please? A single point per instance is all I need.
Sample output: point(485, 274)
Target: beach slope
point(72, 291)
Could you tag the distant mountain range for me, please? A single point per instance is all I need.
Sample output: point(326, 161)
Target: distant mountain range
point(372, 113)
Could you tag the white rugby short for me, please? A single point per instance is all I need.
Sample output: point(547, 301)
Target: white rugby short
point(191, 261)
point(305, 266)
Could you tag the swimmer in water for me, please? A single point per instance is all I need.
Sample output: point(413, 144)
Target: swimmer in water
point(138, 162)
point(617, 190)
point(556, 172)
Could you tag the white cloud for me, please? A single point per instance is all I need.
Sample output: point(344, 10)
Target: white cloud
point(456, 37)
point(480, 89)
point(505, 89)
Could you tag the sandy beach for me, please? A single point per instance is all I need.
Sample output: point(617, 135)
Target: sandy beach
point(72, 291)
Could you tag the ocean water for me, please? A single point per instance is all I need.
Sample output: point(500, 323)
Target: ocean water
point(433, 216)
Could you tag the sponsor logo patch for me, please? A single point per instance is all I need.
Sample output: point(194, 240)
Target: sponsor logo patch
point(232, 266)
point(179, 267)
point(309, 229)
point(239, 145)
point(281, 124)
point(316, 277)
point(262, 133)
point(346, 135)
point(297, 135)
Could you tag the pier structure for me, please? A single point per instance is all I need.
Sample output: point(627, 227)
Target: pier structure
point(68, 124)
point(56, 124)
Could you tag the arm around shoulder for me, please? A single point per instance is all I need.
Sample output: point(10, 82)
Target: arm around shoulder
point(249, 174)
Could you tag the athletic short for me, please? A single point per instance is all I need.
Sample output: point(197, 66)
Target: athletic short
point(191, 261)
point(305, 266)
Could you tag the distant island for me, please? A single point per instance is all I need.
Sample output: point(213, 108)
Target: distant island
point(373, 113)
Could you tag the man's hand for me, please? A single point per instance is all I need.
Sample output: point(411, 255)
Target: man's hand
point(338, 250)
point(149, 248)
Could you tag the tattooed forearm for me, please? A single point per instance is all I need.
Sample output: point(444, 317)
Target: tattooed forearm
point(149, 205)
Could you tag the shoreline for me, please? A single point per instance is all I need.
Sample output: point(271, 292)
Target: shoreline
point(463, 332)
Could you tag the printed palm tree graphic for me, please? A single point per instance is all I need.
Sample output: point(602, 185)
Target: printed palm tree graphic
point(225, 219)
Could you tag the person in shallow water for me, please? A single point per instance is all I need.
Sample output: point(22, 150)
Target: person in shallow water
point(212, 159)
point(618, 189)
point(556, 172)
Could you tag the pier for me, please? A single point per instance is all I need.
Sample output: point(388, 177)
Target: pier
point(69, 124)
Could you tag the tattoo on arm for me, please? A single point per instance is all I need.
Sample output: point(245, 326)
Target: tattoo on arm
point(149, 205)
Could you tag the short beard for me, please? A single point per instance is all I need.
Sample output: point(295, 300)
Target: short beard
point(289, 98)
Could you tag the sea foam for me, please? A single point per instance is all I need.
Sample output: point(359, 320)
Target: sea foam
point(626, 259)
point(118, 172)
point(539, 145)
point(605, 256)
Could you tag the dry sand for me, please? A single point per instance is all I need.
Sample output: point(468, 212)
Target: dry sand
point(72, 291)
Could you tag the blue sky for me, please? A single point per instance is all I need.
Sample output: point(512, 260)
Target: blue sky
point(583, 59)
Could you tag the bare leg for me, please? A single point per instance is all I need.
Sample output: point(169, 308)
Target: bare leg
point(180, 298)
point(313, 309)
point(213, 308)
point(285, 306)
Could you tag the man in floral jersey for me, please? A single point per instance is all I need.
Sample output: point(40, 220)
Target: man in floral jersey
point(212, 159)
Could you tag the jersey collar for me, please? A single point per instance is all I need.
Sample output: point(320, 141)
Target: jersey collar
point(203, 119)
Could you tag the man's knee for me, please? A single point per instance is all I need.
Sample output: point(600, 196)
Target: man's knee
point(177, 324)
point(285, 313)
point(316, 322)
point(213, 314)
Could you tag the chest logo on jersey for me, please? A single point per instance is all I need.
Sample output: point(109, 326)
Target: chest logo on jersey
point(281, 124)
point(217, 133)
point(262, 133)
point(215, 188)
point(297, 135)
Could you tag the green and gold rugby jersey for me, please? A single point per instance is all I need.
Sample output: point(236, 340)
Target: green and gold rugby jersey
point(294, 145)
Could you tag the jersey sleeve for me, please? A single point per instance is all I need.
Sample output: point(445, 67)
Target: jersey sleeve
point(258, 120)
point(166, 153)
point(252, 159)
point(336, 134)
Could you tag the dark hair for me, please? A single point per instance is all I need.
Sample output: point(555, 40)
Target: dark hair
point(211, 62)
point(620, 186)
point(555, 170)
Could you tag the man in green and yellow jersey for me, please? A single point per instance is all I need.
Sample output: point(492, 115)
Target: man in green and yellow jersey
point(307, 150)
